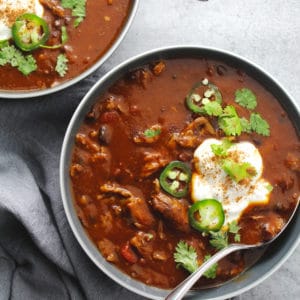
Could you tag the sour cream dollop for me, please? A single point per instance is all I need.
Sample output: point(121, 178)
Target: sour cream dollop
point(11, 9)
point(211, 181)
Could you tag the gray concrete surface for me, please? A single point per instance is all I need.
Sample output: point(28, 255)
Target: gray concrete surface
point(264, 31)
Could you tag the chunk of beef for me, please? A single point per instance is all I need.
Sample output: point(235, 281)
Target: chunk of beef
point(109, 250)
point(86, 143)
point(144, 77)
point(140, 213)
point(151, 277)
point(54, 6)
point(175, 211)
point(285, 182)
point(143, 242)
point(114, 188)
point(293, 161)
point(272, 225)
point(192, 135)
point(115, 103)
point(160, 255)
point(137, 207)
point(106, 221)
point(269, 224)
point(153, 161)
point(76, 169)
point(90, 153)
point(141, 77)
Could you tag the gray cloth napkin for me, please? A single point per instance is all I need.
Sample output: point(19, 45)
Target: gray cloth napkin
point(39, 256)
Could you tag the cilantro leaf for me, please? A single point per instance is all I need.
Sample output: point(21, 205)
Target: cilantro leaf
point(234, 228)
point(186, 257)
point(269, 187)
point(229, 111)
point(246, 98)
point(152, 132)
point(78, 9)
point(11, 55)
point(259, 125)
point(221, 149)
point(229, 121)
point(219, 239)
point(211, 273)
point(237, 237)
point(27, 65)
point(246, 127)
point(213, 108)
point(61, 65)
point(238, 171)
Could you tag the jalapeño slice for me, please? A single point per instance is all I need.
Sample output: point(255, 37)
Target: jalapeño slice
point(202, 91)
point(30, 32)
point(175, 178)
point(206, 215)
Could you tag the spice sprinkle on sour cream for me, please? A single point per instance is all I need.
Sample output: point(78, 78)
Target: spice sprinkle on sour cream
point(11, 9)
point(211, 181)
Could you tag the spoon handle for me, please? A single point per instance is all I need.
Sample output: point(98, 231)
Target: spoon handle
point(185, 285)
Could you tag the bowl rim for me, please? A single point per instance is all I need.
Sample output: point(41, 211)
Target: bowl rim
point(23, 94)
point(68, 200)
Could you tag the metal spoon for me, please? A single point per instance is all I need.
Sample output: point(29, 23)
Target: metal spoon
point(181, 289)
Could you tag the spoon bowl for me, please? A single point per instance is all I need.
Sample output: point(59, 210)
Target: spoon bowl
point(181, 289)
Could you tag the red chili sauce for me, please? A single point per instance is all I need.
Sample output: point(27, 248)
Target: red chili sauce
point(116, 165)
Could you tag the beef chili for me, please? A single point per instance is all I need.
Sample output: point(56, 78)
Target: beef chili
point(46, 42)
point(176, 160)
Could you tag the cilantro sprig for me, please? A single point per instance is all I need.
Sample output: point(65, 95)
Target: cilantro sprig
point(246, 126)
point(234, 228)
point(213, 108)
point(230, 122)
point(228, 118)
point(269, 187)
point(246, 98)
point(78, 8)
point(221, 149)
point(219, 239)
point(259, 125)
point(9, 54)
point(211, 273)
point(186, 257)
point(61, 65)
point(238, 171)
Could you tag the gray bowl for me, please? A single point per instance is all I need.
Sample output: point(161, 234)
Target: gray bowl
point(276, 254)
point(36, 93)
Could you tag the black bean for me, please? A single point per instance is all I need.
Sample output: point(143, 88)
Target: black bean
point(105, 134)
point(221, 70)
